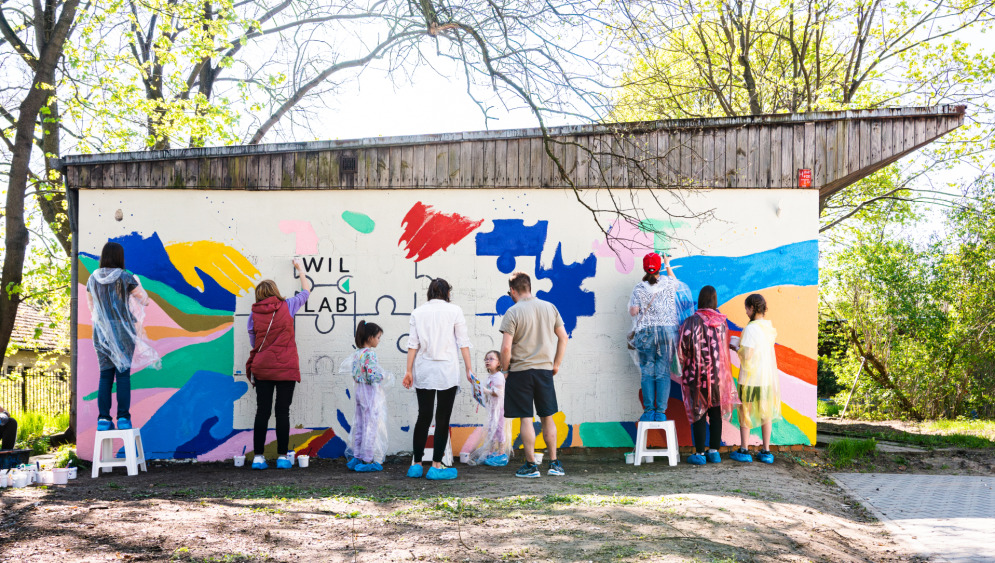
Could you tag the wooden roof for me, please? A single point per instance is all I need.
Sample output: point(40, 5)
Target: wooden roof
point(758, 152)
point(28, 320)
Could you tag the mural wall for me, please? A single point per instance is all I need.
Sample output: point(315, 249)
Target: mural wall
point(371, 255)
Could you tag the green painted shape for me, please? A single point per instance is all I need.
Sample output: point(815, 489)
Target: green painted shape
point(782, 432)
point(659, 229)
point(604, 435)
point(345, 286)
point(180, 365)
point(359, 221)
point(176, 299)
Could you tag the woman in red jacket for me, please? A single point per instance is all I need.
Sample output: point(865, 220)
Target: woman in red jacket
point(273, 364)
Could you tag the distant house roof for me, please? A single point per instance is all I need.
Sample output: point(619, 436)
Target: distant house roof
point(26, 324)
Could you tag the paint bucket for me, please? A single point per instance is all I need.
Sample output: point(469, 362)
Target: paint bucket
point(538, 456)
point(303, 460)
point(630, 457)
point(18, 479)
point(464, 457)
point(45, 477)
point(3, 478)
point(291, 455)
point(71, 472)
point(60, 476)
point(239, 461)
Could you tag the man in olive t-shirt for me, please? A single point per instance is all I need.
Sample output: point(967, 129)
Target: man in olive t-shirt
point(530, 360)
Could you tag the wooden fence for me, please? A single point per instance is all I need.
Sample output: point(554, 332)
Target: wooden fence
point(23, 390)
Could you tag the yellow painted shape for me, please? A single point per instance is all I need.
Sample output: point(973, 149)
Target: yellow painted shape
point(804, 423)
point(794, 312)
point(223, 263)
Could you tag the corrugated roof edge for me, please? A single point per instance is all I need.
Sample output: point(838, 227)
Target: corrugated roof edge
point(590, 129)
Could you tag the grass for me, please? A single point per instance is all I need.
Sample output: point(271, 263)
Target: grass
point(844, 452)
point(34, 429)
point(972, 435)
point(984, 429)
point(827, 408)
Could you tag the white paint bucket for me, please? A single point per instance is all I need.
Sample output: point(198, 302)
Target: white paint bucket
point(464, 457)
point(71, 472)
point(630, 457)
point(18, 479)
point(538, 457)
point(303, 460)
point(60, 476)
point(239, 461)
point(291, 455)
point(45, 477)
point(3, 478)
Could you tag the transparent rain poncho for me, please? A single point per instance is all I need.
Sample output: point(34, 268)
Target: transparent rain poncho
point(119, 321)
point(759, 386)
point(663, 307)
point(368, 436)
point(495, 440)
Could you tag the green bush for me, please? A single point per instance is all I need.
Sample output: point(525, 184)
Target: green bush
point(34, 429)
point(828, 408)
point(65, 456)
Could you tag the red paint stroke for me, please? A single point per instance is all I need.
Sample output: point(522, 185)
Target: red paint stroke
point(427, 231)
point(792, 363)
point(317, 443)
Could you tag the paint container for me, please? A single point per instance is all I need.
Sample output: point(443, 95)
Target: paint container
point(630, 457)
point(291, 455)
point(3, 478)
point(538, 456)
point(18, 478)
point(71, 472)
point(303, 460)
point(45, 478)
point(464, 457)
point(239, 461)
point(60, 476)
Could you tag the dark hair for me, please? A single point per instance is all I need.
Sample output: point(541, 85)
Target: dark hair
point(759, 305)
point(495, 352)
point(267, 288)
point(520, 282)
point(651, 278)
point(439, 289)
point(112, 256)
point(708, 298)
point(365, 331)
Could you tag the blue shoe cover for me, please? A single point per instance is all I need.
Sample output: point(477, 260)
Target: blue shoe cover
point(696, 459)
point(284, 463)
point(368, 467)
point(648, 416)
point(104, 424)
point(499, 460)
point(416, 471)
point(659, 416)
point(766, 457)
point(443, 474)
point(124, 424)
point(259, 465)
point(740, 455)
point(353, 463)
point(713, 457)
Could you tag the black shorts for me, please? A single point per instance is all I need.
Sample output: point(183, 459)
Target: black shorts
point(528, 386)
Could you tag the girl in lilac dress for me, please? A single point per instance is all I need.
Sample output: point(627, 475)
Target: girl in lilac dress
point(495, 447)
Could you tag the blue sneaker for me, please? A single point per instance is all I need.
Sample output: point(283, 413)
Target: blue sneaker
point(104, 424)
point(765, 456)
point(496, 460)
point(555, 468)
point(696, 459)
point(416, 471)
point(713, 457)
point(659, 416)
point(741, 455)
point(124, 424)
point(283, 463)
point(369, 467)
point(648, 416)
point(441, 474)
point(353, 463)
point(259, 463)
point(528, 471)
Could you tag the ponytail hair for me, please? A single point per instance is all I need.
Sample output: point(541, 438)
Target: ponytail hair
point(757, 304)
point(365, 331)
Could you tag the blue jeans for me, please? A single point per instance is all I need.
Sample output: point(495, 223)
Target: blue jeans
point(657, 348)
point(107, 377)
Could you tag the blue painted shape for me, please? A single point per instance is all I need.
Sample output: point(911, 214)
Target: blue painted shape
point(332, 449)
point(630, 427)
point(503, 304)
point(347, 393)
point(675, 391)
point(570, 300)
point(511, 238)
point(792, 264)
point(342, 420)
point(405, 428)
point(147, 257)
point(196, 419)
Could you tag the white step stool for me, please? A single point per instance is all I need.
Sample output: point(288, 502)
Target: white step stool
point(447, 457)
point(104, 454)
point(671, 452)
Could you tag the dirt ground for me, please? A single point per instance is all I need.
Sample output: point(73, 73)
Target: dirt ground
point(603, 510)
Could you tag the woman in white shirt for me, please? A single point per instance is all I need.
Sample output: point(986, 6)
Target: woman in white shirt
point(436, 339)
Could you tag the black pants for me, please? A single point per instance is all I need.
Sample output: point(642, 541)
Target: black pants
point(714, 416)
point(264, 406)
point(443, 411)
point(8, 434)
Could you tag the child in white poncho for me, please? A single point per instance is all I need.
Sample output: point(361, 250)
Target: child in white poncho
point(495, 445)
point(759, 388)
point(368, 437)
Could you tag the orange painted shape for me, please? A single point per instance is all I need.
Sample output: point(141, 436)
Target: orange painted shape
point(793, 310)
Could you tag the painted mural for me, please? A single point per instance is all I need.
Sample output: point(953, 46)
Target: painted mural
point(371, 255)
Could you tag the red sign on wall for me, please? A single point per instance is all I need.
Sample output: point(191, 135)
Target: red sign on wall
point(804, 177)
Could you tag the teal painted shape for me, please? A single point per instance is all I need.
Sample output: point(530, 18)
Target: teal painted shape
point(359, 221)
point(605, 435)
point(173, 297)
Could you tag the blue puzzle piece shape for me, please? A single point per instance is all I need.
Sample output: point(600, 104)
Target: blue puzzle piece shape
point(566, 293)
point(510, 239)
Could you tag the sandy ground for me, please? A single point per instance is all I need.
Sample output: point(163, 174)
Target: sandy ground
point(603, 510)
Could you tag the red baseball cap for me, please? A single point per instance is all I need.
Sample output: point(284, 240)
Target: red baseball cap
point(652, 262)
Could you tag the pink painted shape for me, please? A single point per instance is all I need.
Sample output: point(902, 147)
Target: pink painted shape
point(798, 395)
point(307, 240)
point(625, 243)
point(155, 316)
point(233, 445)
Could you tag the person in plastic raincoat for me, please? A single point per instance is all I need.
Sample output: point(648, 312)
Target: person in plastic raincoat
point(368, 436)
point(759, 389)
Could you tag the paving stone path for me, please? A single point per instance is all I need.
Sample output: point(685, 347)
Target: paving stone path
point(946, 517)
